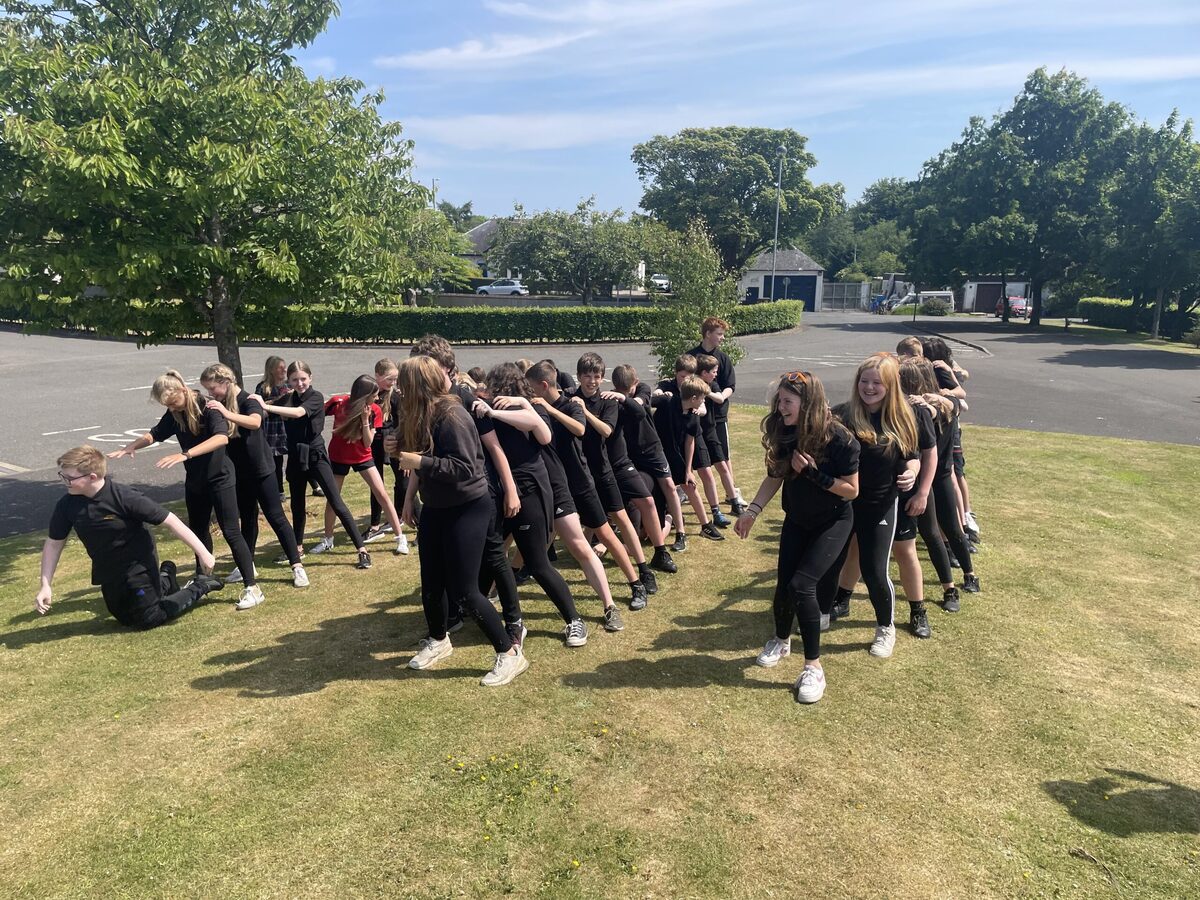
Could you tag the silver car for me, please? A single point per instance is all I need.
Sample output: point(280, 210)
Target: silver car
point(504, 286)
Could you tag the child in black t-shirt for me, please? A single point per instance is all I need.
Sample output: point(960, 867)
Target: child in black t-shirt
point(700, 462)
point(707, 368)
point(111, 520)
point(678, 428)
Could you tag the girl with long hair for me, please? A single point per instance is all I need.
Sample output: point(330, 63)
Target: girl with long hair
point(387, 398)
point(879, 416)
point(950, 376)
point(815, 461)
point(303, 412)
point(273, 388)
point(252, 466)
point(357, 419)
point(438, 441)
point(209, 483)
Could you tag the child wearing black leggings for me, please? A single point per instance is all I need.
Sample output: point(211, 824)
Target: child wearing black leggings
point(815, 461)
point(303, 412)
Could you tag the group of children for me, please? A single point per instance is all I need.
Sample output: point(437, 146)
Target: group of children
point(522, 454)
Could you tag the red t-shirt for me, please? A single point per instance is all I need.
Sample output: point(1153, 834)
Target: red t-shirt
point(341, 450)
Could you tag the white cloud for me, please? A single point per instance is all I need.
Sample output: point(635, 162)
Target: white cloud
point(322, 65)
point(499, 49)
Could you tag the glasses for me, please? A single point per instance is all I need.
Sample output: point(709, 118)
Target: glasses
point(797, 377)
point(69, 479)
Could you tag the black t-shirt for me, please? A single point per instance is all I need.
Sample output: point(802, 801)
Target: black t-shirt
point(569, 448)
point(880, 464)
point(112, 527)
point(214, 468)
point(725, 379)
point(524, 456)
point(637, 422)
point(594, 446)
point(674, 425)
point(804, 502)
point(945, 378)
point(307, 428)
point(945, 441)
point(565, 382)
point(248, 448)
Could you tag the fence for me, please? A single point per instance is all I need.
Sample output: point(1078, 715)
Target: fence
point(845, 295)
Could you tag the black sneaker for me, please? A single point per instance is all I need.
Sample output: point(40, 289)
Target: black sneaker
point(206, 584)
point(639, 598)
point(919, 621)
point(317, 492)
point(719, 518)
point(710, 531)
point(364, 560)
point(521, 576)
point(950, 600)
point(551, 553)
point(680, 544)
point(737, 507)
point(662, 561)
point(648, 579)
point(954, 563)
point(971, 584)
point(454, 624)
point(840, 609)
point(169, 569)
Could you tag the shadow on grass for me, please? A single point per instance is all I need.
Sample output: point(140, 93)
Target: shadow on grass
point(692, 671)
point(56, 626)
point(1114, 806)
point(1133, 358)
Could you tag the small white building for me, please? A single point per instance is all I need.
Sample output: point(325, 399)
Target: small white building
point(982, 294)
point(797, 277)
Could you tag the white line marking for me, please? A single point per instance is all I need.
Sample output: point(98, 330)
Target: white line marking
point(69, 430)
point(146, 387)
point(10, 469)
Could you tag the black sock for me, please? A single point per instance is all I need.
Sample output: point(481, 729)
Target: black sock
point(843, 594)
point(643, 568)
point(916, 607)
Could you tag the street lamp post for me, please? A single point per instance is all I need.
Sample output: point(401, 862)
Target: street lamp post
point(775, 245)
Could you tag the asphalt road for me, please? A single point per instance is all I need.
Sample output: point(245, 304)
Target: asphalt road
point(61, 391)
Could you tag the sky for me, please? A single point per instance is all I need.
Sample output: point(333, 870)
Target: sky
point(540, 102)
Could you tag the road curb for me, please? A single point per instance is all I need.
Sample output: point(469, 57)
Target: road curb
point(946, 337)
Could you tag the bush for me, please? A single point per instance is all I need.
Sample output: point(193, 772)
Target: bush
point(1193, 337)
point(905, 310)
point(1109, 312)
point(757, 318)
point(934, 306)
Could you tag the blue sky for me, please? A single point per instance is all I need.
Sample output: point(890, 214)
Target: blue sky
point(541, 101)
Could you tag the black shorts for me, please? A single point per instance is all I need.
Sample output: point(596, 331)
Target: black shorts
point(344, 468)
point(655, 466)
point(700, 458)
point(723, 432)
point(609, 493)
point(564, 505)
point(630, 483)
point(590, 509)
point(716, 450)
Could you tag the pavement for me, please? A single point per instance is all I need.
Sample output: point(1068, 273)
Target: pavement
point(60, 391)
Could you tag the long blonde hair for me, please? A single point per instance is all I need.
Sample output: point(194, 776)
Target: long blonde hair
point(269, 383)
point(812, 431)
point(170, 383)
point(896, 416)
point(423, 401)
point(222, 373)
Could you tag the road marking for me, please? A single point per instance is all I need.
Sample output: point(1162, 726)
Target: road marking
point(69, 430)
point(146, 387)
point(10, 469)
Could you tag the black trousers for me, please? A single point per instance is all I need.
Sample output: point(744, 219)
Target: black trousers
point(254, 494)
point(946, 504)
point(382, 462)
point(495, 567)
point(202, 500)
point(144, 597)
point(530, 530)
point(806, 554)
point(319, 473)
point(451, 541)
point(875, 528)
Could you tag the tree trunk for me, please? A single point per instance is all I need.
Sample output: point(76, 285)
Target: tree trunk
point(1035, 302)
point(1138, 302)
point(1158, 310)
point(223, 325)
point(1005, 315)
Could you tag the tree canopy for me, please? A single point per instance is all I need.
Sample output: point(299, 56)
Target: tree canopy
point(725, 178)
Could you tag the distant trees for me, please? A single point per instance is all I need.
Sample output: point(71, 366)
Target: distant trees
point(461, 218)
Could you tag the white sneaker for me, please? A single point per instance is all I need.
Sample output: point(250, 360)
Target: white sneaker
point(505, 670)
point(774, 652)
point(971, 524)
point(810, 686)
point(431, 651)
point(402, 546)
point(885, 640)
point(235, 577)
point(251, 597)
point(299, 577)
point(825, 621)
point(325, 544)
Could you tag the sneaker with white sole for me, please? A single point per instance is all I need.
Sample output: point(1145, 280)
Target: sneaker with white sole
point(810, 686)
point(971, 524)
point(431, 651)
point(299, 577)
point(575, 633)
point(401, 546)
point(826, 621)
point(235, 577)
point(507, 667)
point(773, 653)
point(251, 597)
point(324, 545)
point(885, 641)
point(613, 620)
point(376, 533)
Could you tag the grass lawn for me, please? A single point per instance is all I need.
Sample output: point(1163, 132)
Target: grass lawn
point(1043, 744)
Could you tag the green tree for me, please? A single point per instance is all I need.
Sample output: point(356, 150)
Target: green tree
point(725, 178)
point(586, 251)
point(701, 287)
point(169, 169)
point(886, 200)
point(461, 218)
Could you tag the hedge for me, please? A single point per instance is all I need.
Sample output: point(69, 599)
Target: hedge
point(1108, 312)
point(483, 324)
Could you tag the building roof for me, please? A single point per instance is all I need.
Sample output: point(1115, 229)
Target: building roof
point(482, 235)
point(788, 261)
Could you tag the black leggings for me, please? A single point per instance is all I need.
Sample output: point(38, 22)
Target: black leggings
point(927, 526)
point(201, 500)
point(451, 541)
point(530, 529)
point(496, 568)
point(261, 493)
point(279, 473)
point(875, 528)
point(805, 555)
point(382, 460)
point(319, 473)
point(947, 516)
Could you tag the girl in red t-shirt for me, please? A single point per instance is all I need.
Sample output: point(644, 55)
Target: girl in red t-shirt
point(355, 419)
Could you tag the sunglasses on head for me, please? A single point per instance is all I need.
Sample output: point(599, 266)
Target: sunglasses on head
point(797, 377)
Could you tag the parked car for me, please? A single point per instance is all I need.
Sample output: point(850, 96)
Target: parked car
point(504, 286)
point(1017, 306)
point(660, 283)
